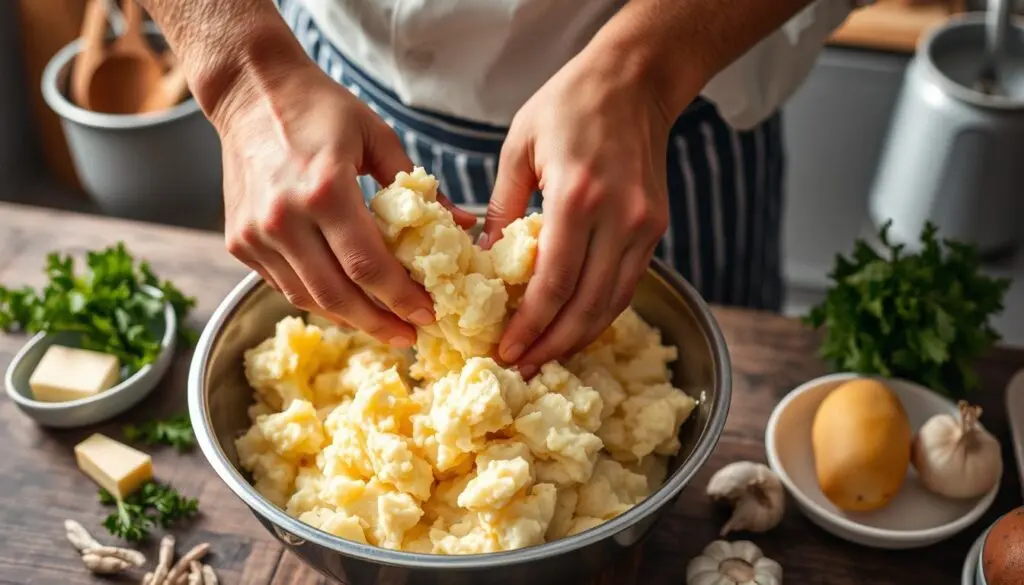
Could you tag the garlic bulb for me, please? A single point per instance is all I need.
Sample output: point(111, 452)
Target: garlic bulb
point(957, 458)
point(755, 494)
point(733, 563)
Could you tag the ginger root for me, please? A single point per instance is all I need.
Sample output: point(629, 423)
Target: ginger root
point(209, 576)
point(178, 575)
point(107, 560)
point(79, 536)
point(195, 574)
point(187, 571)
point(98, 558)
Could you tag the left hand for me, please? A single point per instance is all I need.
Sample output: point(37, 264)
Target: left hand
point(594, 139)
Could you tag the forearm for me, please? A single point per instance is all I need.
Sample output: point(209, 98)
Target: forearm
point(677, 46)
point(228, 47)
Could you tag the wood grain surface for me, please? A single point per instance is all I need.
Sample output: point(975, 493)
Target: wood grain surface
point(40, 485)
point(894, 25)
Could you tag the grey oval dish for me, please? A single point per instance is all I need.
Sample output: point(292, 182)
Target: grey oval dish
point(218, 396)
point(103, 406)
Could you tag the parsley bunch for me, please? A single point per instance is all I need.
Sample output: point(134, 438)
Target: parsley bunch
point(923, 317)
point(175, 432)
point(153, 505)
point(106, 306)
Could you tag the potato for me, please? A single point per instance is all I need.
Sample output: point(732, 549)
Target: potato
point(861, 439)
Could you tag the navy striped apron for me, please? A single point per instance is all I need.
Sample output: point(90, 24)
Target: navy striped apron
point(725, 186)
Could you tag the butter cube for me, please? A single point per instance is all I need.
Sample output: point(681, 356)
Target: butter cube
point(67, 373)
point(116, 467)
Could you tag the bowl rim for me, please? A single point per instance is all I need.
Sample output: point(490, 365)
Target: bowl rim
point(953, 24)
point(702, 451)
point(973, 559)
point(811, 507)
point(166, 342)
point(57, 74)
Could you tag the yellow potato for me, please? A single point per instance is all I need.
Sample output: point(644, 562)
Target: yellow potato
point(861, 440)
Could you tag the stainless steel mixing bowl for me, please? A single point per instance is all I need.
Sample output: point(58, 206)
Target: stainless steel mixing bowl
point(218, 396)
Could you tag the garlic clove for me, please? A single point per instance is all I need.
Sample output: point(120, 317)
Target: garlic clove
point(765, 568)
point(746, 550)
point(718, 550)
point(955, 456)
point(755, 494)
point(733, 563)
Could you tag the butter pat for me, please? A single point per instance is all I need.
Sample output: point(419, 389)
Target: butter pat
point(67, 373)
point(116, 467)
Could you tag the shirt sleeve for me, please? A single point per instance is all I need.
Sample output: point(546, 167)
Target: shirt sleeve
point(753, 87)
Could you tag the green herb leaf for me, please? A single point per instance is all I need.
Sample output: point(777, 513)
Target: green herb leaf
point(175, 432)
point(920, 316)
point(106, 305)
point(154, 504)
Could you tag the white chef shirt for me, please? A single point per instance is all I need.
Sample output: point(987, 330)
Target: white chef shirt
point(482, 59)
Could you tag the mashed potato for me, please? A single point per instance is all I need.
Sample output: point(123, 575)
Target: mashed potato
point(445, 451)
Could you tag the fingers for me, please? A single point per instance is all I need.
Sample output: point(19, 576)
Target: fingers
point(586, 314)
point(560, 255)
point(631, 269)
point(463, 218)
point(634, 267)
point(513, 188)
point(332, 318)
point(356, 242)
point(329, 289)
point(384, 155)
point(245, 257)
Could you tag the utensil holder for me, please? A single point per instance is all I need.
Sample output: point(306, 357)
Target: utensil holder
point(953, 154)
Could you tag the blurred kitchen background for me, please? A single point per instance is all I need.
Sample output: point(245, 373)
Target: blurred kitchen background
point(835, 127)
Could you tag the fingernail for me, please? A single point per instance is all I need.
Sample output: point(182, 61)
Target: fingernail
point(511, 354)
point(483, 241)
point(421, 317)
point(527, 372)
point(401, 342)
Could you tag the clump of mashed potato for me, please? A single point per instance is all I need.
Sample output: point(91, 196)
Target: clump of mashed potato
point(445, 451)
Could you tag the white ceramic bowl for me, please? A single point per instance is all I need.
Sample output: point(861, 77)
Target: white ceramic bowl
point(103, 406)
point(915, 518)
point(971, 574)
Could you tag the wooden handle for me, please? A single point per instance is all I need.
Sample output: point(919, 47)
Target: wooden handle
point(172, 89)
point(133, 35)
point(93, 35)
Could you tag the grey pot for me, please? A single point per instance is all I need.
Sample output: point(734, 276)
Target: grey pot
point(218, 396)
point(953, 154)
point(163, 167)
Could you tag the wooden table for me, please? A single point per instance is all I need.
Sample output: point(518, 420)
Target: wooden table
point(40, 486)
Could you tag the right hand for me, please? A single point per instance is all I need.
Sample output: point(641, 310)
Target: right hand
point(293, 149)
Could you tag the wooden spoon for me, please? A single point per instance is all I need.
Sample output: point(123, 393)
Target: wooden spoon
point(129, 73)
point(173, 88)
point(94, 30)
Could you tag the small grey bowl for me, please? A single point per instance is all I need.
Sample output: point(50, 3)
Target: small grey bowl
point(162, 166)
point(98, 408)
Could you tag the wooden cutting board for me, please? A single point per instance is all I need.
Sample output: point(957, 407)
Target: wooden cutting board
point(46, 26)
point(894, 25)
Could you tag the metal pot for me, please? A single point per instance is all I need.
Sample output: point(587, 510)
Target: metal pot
point(218, 396)
point(163, 167)
point(953, 153)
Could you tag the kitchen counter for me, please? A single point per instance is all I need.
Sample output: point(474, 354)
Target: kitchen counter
point(770, 355)
point(893, 25)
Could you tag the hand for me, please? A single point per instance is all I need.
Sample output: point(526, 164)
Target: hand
point(595, 142)
point(292, 152)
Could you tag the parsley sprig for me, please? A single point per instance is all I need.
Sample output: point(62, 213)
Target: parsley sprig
point(920, 316)
point(175, 431)
point(106, 306)
point(154, 504)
